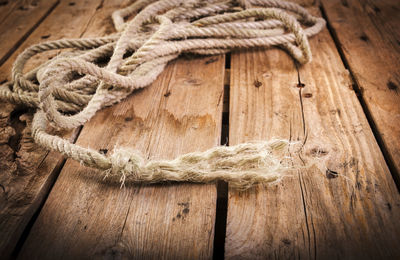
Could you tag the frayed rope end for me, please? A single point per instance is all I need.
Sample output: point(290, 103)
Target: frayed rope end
point(242, 166)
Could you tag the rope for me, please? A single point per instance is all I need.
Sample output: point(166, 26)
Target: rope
point(68, 90)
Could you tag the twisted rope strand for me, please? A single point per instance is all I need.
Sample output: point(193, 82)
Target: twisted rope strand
point(68, 90)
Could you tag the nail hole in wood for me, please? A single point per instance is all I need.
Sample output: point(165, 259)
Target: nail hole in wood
point(257, 83)
point(376, 9)
point(103, 151)
point(391, 85)
point(23, 8)
point(364, 38)
point(331, 174)
point(301, 85)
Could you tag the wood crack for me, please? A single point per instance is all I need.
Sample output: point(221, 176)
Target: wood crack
point(305, 214)
point(123, 226)
point(300, 86)
point(91, 18)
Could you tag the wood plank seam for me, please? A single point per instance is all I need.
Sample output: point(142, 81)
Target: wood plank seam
point(55, 172)
point(26, 35)
point(152, 200)
point(26, 189)
point(359, 93)
point(222, 187)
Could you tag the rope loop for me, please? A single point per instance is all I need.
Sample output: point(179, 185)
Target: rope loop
point(69, 89)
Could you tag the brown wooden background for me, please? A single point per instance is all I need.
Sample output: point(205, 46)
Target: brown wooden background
point(344, 107)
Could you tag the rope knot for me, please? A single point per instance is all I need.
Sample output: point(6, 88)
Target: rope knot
point(125, 162)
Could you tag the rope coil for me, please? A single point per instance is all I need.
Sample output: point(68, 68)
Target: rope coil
point(68, 90)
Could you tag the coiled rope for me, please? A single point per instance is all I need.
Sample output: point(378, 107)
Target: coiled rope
point(68, 90)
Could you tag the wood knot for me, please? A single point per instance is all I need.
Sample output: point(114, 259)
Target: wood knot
point(318, 152)
point(212, 60)
point(266, 75)
point(194, 82)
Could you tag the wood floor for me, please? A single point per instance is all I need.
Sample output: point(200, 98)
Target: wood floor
point(344, 107)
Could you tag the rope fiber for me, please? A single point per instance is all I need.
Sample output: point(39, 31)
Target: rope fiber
point(68, 90)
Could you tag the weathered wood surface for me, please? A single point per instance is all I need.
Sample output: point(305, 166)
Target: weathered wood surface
point(179, 113)
point(27, 171)
point(344, 206)
point(170, 117)
point(368, 35)
point(17, 20)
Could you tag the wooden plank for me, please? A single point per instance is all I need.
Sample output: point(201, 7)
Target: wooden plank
point(7, 8)
point(346, 205)
point(27, 171)
point(20, 19)
point(86, 217)
point(368, 35)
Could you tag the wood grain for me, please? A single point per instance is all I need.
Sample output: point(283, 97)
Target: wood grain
point(18, 20)
point(345, 205)
point(87, 217)
point(27, 171)
point(368, 35)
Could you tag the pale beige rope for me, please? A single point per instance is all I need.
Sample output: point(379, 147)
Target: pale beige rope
point(69, 89)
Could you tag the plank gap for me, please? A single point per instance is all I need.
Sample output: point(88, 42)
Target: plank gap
point(55, 173)
point(228, 60)
point(27, 34)
point(385, 151)
point(222, 187)
point(226, 102)
point(220, 220)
